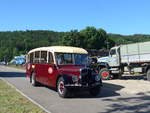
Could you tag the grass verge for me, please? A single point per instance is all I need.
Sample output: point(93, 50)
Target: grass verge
point(13, 102)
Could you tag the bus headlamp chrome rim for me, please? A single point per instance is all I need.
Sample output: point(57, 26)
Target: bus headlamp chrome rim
point(74, 78)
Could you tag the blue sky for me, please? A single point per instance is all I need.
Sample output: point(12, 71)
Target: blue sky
point(115, 16)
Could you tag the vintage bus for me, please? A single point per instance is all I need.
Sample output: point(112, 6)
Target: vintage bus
point(63, 68)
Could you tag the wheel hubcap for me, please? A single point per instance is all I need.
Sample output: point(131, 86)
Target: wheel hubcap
point(105, 74)
point(61, 87)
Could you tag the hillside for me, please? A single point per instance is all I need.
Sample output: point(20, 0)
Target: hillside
point(122, 39)
point(20, 42)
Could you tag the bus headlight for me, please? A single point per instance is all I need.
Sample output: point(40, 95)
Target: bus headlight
point(74, 78)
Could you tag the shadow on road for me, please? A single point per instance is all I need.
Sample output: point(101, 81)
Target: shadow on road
point(107, 90)
point(135, 104)
point(12, 74)
point(133, 77)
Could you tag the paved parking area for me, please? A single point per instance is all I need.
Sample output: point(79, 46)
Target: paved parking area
point(111, 99)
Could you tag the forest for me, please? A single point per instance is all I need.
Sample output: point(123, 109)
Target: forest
point(13, 43)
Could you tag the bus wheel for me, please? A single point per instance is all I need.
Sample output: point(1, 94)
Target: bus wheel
point(148, 75)
point(33, 80)
point(61, 89)
point(105, 74)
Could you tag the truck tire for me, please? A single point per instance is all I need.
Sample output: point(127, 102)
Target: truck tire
point(61, 89)
point(105, 73)
point(148, 75)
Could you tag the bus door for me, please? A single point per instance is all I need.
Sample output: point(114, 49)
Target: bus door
point(46, 67)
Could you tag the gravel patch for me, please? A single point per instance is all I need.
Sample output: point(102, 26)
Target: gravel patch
point(131, 85)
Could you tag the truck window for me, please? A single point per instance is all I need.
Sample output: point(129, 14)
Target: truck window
point(43, 58)
point(112, 52)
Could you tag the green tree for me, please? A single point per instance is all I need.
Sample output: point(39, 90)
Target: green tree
point(94, 39)
point(72, 38)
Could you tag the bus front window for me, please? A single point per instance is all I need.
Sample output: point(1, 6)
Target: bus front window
point(81, 59)
point(64, 58)
point(71, 59)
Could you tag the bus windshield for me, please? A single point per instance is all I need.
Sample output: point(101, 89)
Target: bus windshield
point(71, 59)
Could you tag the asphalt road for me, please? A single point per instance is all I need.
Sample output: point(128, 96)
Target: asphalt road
point(108, 101)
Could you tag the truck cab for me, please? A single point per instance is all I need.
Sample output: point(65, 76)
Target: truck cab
point(110, 64)
point(113, 60)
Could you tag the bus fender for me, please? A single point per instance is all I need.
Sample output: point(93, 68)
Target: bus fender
point(67, 78)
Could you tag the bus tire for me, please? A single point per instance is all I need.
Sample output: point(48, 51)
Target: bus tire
point(105, 73)
point(33, 79)
point(61, 89)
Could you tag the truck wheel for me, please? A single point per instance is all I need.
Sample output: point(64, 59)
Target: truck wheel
point(61, 89)
point(105, 74)
point(95, 91)
point(148, 75)
point(33, 80)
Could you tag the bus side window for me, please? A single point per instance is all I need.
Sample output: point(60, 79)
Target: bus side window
point(37, 57)
point(43, 58)
point(50, 58)
point(28, 58)
point(31, 58)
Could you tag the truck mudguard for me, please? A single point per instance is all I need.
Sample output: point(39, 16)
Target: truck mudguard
point(103, 65)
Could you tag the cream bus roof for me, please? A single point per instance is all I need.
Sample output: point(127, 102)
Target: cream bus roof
point(61, 49)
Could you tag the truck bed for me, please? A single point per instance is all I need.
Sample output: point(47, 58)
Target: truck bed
point(135, 53)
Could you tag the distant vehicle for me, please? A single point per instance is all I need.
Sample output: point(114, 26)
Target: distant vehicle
point(132, 57)
point(3, 63)
point(18, 60)
point(62, 67)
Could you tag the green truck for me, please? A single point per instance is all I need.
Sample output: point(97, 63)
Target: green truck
point(130, 57)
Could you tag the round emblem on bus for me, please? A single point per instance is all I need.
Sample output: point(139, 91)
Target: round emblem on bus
point(50, 70)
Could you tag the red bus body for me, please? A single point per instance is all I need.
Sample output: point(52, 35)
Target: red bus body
point(45, 78)
point(43, 66)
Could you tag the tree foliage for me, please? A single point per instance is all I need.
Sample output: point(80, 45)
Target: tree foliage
point(88, 38)
point(20, 42)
